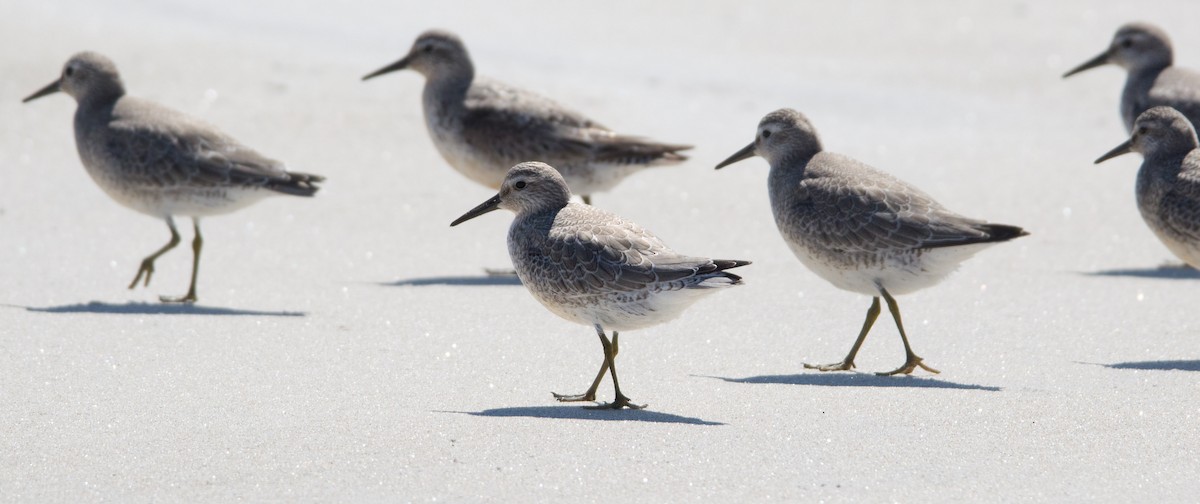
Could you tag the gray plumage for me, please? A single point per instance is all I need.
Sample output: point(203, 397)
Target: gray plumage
point(482, 127)
point(161, 162)
point(592, 267)
point(1152, 80)
point(859, 228)
point(1168, 182)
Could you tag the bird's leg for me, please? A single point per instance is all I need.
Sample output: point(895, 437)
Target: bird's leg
point(848, 363)
point(147, 267)
point(911, 362)
point(619, 400)
point(587, 199)
point(197, 242)
point(590, 395)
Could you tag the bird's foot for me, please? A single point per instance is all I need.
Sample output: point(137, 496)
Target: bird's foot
point(589, 396)
point(620, 402)
point(146, 269)
point(500, 272)
point(187, 299)
point(837, 366)
point(909, 366)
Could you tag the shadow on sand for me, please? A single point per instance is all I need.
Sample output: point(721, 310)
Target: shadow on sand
point(579, 413)
point(135, 308)
point(1161, 365)
point(459, 281)
point(1169, 272)
point(855, 380)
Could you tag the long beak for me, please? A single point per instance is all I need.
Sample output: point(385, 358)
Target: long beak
point(485, 207)
point(1099, 60)
point(52, 88)
point(1124, 148)
point(746, 153)
point(399, 65)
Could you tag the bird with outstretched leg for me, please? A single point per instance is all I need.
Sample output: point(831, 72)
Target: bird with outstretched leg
point(161, 162)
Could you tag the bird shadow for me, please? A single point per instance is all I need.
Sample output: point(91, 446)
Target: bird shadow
point(138, 308)
point(1166, 271)
point(457, 281)
point(578, 413)
point(1160, 365)
point(855, 380)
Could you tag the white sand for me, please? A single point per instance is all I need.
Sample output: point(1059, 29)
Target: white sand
point(322, 365)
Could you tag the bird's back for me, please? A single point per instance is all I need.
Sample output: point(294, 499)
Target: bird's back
point(500, 125)
point(856, 226)
point(1173, 86)
point(590, 266)
point(147, 155)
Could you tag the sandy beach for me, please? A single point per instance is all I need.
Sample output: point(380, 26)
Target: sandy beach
point(350, 348)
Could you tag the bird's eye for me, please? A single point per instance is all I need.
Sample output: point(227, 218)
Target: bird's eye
point(1140, 131)
point(766, 134)
point(520, 184)
point(69, 71)
point(428, 48)
point(1127, 43)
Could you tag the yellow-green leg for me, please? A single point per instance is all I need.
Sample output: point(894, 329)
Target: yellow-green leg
point(147, 267)
point(590, 395)
point(197, 243)
point(911, 361)
point(848, 363)
point(610, 355)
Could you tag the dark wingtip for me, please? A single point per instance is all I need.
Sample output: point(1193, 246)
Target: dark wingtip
point(724, 264)
point(1004, 232)
point(300, 184)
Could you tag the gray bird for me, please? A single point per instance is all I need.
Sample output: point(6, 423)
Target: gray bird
point(483, 127)
point(1168, 183)
point(591, 267)
point(161, 162)
point(1144, 51)
point(858, 228)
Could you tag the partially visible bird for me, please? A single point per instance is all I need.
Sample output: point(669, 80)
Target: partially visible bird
point(1144, 51)
point(1168, 183)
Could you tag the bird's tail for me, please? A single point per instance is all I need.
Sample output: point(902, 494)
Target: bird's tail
point(299, 184)
point(1002, 232)
point(724, 264)
point(626, 150)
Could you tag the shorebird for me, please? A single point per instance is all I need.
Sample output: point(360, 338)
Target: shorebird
point(161, 162)
point(859, 228)
point(1144, 51)
point(1168, 183)
point(482, 127)
point(594, 268)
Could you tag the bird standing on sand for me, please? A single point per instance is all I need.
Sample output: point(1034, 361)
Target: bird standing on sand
point(483, 127)
point(1168, 183)
point(591, 267)
point(161, 162)
point(1144, 51)
point(858, 228)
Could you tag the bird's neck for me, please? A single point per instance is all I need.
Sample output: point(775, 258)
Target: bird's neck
point(96, 109)
point(795, 162)
point(449, 86)
point(102, 97)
